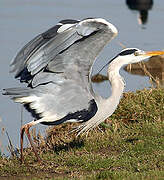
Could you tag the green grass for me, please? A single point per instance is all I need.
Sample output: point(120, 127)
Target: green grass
point(129, 145)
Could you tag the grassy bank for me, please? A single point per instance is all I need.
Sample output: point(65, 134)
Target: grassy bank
point(129, 145)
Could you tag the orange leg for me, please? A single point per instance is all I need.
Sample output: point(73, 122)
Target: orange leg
point(25, 129)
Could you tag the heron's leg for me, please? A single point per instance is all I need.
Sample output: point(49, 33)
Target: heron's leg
point(21, 142)
point(25, 129)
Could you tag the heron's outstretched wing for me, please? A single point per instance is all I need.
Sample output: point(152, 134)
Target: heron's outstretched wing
point(59, 88)
point(36, 54)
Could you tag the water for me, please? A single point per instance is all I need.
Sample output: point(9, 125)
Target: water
point(20, 21)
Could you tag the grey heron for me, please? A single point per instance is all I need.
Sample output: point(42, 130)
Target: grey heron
point(57, 66)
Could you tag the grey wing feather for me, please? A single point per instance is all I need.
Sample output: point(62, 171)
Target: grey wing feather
point(30, 48)
point(50, 50)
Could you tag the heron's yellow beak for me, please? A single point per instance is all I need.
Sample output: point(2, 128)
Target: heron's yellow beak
point(153, 53)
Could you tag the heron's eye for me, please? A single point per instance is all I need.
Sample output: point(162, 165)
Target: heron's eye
point(136, 53)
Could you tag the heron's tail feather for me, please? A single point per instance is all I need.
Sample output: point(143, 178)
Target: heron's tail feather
point(27, 97)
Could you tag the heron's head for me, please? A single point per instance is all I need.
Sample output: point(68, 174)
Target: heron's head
point(134, 55)
point(129, 56)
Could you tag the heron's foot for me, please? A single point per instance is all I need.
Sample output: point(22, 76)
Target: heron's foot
point(22, 160)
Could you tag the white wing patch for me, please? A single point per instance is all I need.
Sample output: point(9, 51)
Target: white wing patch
point(64, 27)
point(27, 99)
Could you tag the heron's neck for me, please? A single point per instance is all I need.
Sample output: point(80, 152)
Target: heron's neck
point(117, 85)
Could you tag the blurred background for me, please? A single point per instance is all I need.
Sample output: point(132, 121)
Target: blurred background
point(140, 24)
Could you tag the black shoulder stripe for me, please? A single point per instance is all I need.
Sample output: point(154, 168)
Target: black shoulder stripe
point(79, 116)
